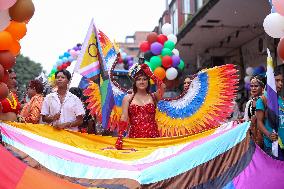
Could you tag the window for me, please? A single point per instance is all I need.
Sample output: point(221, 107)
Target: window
point(174, 18)
point(198, 4)
point(186, 9)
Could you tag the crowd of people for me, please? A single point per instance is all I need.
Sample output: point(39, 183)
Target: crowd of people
point(65, 108)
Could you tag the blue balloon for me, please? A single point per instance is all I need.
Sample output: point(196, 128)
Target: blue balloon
point(66, 54)
point(64, 59)
point(59, 62)
point(70, 58)
point(61, 57)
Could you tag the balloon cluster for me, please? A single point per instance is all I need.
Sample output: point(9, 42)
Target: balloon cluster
point(64, 61)
point(14, 15)
point(126, 59)
point(161, 55)
point(274, 24)
point(250, 71)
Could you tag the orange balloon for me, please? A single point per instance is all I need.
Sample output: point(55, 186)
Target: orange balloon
point(7, 59)
point(15, 48)
point(6, 40)
point(22, 10)
point(17, 29)
point(160, 73)
point(5, 77)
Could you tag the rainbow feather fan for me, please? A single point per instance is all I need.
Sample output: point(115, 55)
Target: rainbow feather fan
point(204, 106)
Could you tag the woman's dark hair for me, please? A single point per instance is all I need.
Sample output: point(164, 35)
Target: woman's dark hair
point(37, 85)
point(261, 80)
point(65, 72)
point(134, 84)
point(277, 70)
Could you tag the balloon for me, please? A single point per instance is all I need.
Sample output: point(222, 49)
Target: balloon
point(280, 49)
point(167, 29)
point(6, 40)
point(279, 6)
point(274, 25)
point(167, 61)
point(70, 59)
point(247, 79)
point(181, 65)
point(175, 52)
point(156, 48)
point(130, 63)
point(171, 73)
point(5, 77)
point(64, 59)
point(144, 46)
point(160, 73)
point(166, 51)
point(4, 91)
point(162, 39)
point(148, 55)
point(249, 71)
point(152, 37)
point(59, 62)
point(15, 48)
point(155, 62)
point(247, 86)
point(66, 54)
point(169, 44)
point(17, 30)
point(123, 55)
point(172, 38)
point(176, 60)
point(1, 72)
point(5, 19)
point(7, 59)
point(6, 4)
point(22, 10)
point(72, 53)
point(150, 65)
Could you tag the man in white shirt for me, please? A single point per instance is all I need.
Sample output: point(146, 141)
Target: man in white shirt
point(62, 109)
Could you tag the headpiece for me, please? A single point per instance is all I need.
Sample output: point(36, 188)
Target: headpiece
point(137, 68)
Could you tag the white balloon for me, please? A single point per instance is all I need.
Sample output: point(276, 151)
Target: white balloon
point(171, 73)
point(247, 79)
point(167, 29)
point(172, 38)
point(273, 25)
point(249, 71)
point(175, 52)
point(4, 19)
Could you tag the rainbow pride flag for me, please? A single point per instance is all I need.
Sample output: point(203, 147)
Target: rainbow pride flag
point(219, 158)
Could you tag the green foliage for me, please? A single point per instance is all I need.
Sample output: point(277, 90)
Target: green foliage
point(26, 70)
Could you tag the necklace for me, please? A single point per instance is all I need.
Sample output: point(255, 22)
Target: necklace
point(14, 103)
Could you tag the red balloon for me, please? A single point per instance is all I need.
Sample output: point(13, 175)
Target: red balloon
point(144, 46)
point(280, 49)
point(5, 77)
point(59, 67)
point(152, 37)
point(1, 72)
point(167, 61)
point(7, 59)
point(162, 39)
point(68, 63)
point(4, 91)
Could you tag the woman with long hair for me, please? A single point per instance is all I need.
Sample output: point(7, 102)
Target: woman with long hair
point(139, 107)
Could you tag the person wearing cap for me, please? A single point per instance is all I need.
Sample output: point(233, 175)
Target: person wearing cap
point(139, 107)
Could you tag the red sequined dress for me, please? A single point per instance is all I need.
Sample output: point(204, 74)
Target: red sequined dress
point(142, 121)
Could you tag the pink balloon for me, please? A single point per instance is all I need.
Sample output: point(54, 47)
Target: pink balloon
point(5, 4)
point(279, 6)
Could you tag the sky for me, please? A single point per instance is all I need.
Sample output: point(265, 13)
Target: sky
point(58, 25)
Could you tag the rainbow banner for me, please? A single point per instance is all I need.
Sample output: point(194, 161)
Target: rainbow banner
point(219, 158)
point(88, 62)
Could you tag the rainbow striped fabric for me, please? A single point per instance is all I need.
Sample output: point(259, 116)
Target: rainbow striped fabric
point(217, 158)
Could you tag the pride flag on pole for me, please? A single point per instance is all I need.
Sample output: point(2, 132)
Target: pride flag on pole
point(272, 97)
point(88, 64)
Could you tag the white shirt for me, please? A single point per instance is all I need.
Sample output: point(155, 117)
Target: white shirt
point(69, 110)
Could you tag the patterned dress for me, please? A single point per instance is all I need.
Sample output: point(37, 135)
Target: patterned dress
point(31, 110)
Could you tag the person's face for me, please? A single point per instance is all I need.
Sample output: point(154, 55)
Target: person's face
point(186, 83)
point(141, 82)
point(31, 92)
point(279, 82)
point(61, 80)
point(255, 88)
point(12, 82)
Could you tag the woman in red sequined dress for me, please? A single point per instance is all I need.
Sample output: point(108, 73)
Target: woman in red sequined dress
point(139, 108)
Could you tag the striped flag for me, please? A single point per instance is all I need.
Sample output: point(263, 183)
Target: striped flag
point(88, 64)
point(272, 97)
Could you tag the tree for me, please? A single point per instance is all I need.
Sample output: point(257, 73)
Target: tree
point(26, 70)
